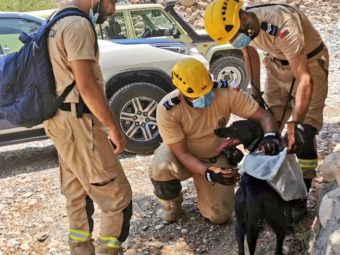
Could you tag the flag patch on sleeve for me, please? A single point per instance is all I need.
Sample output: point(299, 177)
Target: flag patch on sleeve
point(282, 34)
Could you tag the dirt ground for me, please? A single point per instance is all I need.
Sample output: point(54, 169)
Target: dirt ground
point(33, 218)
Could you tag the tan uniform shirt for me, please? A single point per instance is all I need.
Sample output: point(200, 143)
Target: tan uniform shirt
point(295, 33)
point(197, 126)
point(72, 38)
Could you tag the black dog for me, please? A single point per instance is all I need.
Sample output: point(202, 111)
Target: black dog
point(255, 200)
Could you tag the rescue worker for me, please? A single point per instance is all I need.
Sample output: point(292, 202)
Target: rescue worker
point(186, 118)
point(296, 65)
point(89, 167)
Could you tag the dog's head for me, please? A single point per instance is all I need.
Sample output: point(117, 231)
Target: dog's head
point(249, 133)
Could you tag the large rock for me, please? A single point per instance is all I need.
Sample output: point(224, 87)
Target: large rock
point(187, 3)
point(327, 232)
point(331, 167)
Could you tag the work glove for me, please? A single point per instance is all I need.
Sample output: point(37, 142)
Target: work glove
point(293, 136)
point(270, 143)
point(221, 175)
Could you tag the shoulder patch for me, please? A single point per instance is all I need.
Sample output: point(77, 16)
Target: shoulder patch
point(221, 84)
point(169, 104)
point(269, 28)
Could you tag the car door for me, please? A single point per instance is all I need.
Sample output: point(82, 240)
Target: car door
point(115, 27)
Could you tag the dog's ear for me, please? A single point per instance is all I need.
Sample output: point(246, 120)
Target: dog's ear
point(228, 132)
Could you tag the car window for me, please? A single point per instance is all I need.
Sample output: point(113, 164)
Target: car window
point(113, 28)
point(10, 29)
point(151, 23)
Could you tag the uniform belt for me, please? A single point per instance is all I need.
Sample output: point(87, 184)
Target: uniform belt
point(311, 54)
point(80, 108)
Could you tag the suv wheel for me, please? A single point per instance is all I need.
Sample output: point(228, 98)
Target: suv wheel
point(135, 106)
point(231, 69)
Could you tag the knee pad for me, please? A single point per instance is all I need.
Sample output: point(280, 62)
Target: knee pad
point(167, 190)
point(307, 153)
point(308, 150)
point(89, 212)
point(127, 214)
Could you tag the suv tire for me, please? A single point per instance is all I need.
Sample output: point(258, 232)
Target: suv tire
point(232, 69)
point(134, 105)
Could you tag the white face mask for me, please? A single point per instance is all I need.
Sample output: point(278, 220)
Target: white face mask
point(94, 15)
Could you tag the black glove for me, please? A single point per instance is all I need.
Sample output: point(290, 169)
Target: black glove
point(294, 137)
point(221, 175)
point(270, 143)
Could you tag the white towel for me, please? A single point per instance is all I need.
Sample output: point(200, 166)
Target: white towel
point(282, 172)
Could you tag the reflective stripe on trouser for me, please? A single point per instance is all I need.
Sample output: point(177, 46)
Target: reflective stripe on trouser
point(279, 81)
point(79, 235)
point(89, 167)
point(111, 242)
point(215, 201)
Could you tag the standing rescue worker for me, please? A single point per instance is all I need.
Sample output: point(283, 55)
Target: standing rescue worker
point(89, 166)
point(296, 66)
point(186, 119)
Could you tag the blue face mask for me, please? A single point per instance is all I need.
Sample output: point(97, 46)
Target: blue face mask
point(203, 101)
point(241, 41)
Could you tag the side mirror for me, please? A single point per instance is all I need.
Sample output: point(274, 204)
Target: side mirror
point(1, 50)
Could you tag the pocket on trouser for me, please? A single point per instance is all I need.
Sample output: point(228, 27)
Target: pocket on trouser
point(96, 154)
point(58, 131)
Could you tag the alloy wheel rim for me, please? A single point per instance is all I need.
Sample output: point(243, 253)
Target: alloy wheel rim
point(138, 119)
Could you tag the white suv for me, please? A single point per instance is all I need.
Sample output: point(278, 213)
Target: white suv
point(136, 78)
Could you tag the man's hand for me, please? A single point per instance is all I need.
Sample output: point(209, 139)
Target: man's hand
point(117, 139)
point(294, 137)
point(270, 143)
point(221, 175)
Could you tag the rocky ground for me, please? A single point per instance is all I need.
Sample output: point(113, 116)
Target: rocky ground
point(33, 219)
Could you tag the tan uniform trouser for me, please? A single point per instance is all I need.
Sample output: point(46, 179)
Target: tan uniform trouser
point(215, 201)
point(88, 166)
point(279, 81)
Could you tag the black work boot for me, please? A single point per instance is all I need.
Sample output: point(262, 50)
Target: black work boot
point(308, 183)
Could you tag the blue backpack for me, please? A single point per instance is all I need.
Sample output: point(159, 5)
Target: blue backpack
point(27, 85)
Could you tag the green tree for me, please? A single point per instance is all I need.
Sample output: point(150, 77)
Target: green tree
point(26, 5)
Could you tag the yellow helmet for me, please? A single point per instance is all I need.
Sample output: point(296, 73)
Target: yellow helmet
point(191, 78)
point(221, 19)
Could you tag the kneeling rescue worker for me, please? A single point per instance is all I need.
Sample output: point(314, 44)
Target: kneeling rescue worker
point(186, 119)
